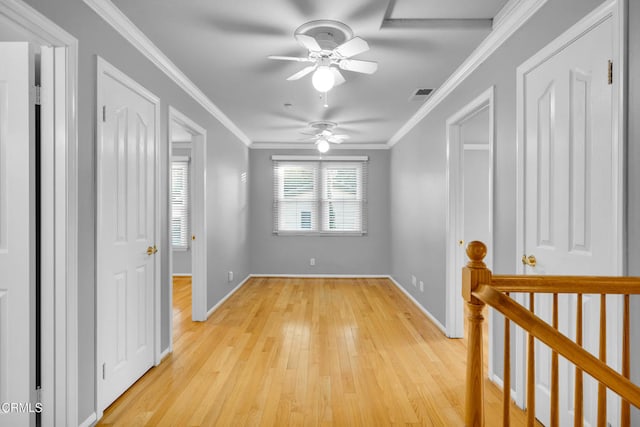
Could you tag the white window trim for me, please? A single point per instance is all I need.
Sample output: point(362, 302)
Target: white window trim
point(320, 232)
point(187, 246)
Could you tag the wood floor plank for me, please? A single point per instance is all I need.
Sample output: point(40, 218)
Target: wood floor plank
point(304, 352)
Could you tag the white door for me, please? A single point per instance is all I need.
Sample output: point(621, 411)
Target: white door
point(569, 192)
point(17, 233)
point(126, 227)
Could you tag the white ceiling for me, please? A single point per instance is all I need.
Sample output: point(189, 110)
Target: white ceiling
point(223, 47)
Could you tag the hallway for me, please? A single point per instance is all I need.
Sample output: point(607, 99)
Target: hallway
point(305, 352)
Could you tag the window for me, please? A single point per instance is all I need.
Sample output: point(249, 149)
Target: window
point(319, 196)
point(180, 204)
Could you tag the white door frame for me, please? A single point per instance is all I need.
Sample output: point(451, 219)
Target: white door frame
point(60, 303)
point(198, 217)
point(611, 9)
point(455, 214)
point(105, 68)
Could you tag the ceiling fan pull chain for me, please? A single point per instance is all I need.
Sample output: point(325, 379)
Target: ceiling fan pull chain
point(326, 99)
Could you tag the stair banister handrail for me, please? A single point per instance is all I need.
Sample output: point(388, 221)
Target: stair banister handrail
point(480, 288)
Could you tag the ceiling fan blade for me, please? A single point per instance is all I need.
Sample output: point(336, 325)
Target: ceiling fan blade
point(302, 73)
point(313, 132)
point(338, 77)
point(289, 58)
point(352, 47)
point(308, 42)
point(341, 137)
point(367, 67)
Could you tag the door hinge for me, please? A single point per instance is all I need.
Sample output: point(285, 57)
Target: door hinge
point(610, 72)
point(38, 95)
point(104, 371)
point(104, 113)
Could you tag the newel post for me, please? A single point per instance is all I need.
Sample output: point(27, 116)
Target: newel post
point(474, 274)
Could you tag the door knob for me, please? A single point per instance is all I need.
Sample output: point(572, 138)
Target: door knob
point(152, 250)
point(529, 260)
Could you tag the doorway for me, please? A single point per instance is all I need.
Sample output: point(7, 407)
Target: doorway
point(470, 198)
point(57, 309)
point(570, 199)
point(127, 279)
point(188, 257)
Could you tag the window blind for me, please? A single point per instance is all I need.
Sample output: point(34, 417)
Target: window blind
point(180, 203)
point(321, 197)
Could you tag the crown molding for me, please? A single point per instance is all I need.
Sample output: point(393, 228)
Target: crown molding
point(309, 146)
point(127, 29)
point(510, 18)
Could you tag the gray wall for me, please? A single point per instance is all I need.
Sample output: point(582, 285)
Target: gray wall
point(633, 182)
point(418, 184)
point(227, 158)
point(182, 262)
point(271, 254)
point(418, 167)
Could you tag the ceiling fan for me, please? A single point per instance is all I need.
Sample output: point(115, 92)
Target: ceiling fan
point(331, 46)
point(322, 133)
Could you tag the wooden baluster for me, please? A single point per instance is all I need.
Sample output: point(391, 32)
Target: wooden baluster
point(531, 371)
point(602, 390)
point(555, 412)
point(578, 419)
point(625, 412)
point(473, 275)
point(506, 391)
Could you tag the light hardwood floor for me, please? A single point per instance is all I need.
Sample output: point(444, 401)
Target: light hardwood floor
point(307, 352)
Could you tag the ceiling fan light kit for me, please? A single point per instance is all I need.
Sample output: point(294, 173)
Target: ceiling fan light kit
point(323, 79)
point(330, 45)
point(323, 146)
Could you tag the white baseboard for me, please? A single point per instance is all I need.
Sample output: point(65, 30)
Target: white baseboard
point(226, 297)
point(182, 274)
point(91, 419)
point(326, 276)
point(498, 382)
point(165, 353)
point(424, 310)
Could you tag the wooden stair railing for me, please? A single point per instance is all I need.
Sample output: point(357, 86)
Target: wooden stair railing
point(481, 288)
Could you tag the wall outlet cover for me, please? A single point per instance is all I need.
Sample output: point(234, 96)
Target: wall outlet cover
point(413, 280)
point(230, 276)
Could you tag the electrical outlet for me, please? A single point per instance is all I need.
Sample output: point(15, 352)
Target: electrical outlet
point(413, 280)
point(421, 286)
point(312, 261)
point(230, 276)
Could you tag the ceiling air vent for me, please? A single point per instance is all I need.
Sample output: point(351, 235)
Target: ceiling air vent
point(420, 95)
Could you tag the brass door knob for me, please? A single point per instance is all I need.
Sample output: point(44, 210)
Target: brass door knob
point(150, 251)
point(529, 260)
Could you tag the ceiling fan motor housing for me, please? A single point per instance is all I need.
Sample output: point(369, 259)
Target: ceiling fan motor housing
point(329, 34)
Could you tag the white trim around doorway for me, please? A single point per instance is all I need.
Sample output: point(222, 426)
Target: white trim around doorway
point(455, 306)
point(610, 9)
point(61, 303)
point(198, 216)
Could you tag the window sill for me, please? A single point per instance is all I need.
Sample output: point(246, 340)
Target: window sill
point(321, 233)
